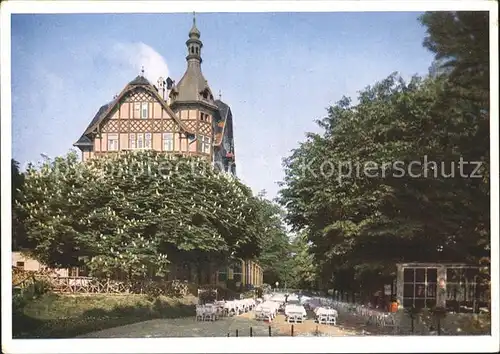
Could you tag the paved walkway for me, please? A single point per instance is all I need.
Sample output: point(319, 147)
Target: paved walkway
point(189, 327)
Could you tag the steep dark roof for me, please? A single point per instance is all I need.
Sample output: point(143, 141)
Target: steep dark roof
point(223, 109)
point(224, 113)
point(139, 80)
point(191, 84)
point(84, 140)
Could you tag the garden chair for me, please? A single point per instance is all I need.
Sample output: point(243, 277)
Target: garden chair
point(199, 313)
point(322, 318)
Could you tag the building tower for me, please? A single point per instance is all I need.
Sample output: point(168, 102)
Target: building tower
point(192, 100)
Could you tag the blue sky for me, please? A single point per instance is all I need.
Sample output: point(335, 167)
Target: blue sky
point(278, 72)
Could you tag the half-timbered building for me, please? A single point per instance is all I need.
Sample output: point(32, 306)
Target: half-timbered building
point(181, 118)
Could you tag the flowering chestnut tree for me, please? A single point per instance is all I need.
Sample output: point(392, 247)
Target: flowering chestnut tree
point(133, 211)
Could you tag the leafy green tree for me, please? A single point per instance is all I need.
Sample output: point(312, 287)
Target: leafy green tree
point(359, 208)
point(275, 256)
point(361, 211)
point(19, 240)
point(460, 40)
point(304, 265)
point(135, 212)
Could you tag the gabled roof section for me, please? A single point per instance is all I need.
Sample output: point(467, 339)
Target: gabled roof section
point(85, 140)
point(105, 110)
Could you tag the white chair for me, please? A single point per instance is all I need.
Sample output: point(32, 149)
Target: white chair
point(331, 319)
point(199, 313)
point(323, 318)
point(210, 312)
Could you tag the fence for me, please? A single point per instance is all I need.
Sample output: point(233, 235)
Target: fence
point(89, 285)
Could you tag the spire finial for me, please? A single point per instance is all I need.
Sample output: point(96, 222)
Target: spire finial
point(142, 70)
point(194, 18)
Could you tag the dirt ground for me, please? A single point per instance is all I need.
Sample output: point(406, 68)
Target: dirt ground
point(308, 327)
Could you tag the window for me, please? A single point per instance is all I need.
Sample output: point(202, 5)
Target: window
point(168, 141)
point(73, 272)
point(237, 273)
point(204, 117)
point(147, 145)
point(132, 141)
point(144, 110)
point(112, 142)
point(222, 275)
point(140, 141)
point(20, 265)
point(419, 288)
point(137, 110)
point(205, 144)
point(83, 271)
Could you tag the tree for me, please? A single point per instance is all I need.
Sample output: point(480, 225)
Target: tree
point(305, 274)
point(275, 255)
point(460, 41)
point(136, 212)
point(19, 240)
point(360, 210)
point(361, 213)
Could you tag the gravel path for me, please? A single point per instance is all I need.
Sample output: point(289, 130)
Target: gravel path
point(186, 327)
point(189, 327)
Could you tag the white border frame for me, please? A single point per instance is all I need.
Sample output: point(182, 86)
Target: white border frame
point(233, 345)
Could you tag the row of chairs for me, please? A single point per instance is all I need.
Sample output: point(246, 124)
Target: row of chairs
point(208, 312)
point(369, 316)
point(214, 311)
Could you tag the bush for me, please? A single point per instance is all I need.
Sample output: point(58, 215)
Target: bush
point(52, 316)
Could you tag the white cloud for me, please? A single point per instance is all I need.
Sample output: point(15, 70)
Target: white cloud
point(131, 57)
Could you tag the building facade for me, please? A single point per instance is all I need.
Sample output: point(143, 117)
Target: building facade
point(180, 118)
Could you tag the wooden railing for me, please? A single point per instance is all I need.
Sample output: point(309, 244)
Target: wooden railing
point(89, 285)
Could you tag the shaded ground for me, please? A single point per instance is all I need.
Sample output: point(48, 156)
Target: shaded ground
point(308, 327)
point(187, 327)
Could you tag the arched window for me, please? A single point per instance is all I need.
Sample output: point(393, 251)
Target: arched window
point(196, 50)
point(192, 50)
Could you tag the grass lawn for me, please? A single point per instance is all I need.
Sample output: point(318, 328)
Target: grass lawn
point(58, 316)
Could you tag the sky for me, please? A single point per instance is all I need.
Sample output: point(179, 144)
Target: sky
point(278, 72)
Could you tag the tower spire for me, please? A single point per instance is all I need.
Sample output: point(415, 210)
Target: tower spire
point(194, 43)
